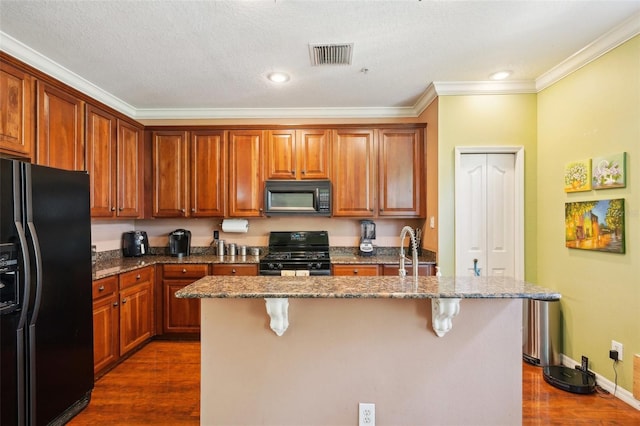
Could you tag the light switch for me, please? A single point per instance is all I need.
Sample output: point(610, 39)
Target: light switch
point(432, 222)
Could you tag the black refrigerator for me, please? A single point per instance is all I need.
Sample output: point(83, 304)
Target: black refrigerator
point(46, 325)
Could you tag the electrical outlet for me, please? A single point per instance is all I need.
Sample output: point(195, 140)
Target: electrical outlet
point(617, 346)
point(366, 414)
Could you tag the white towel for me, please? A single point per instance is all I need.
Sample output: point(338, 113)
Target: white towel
point(288, 273)
point(302, 273)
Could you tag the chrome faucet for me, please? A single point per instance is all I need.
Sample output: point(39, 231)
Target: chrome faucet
point(403, 271)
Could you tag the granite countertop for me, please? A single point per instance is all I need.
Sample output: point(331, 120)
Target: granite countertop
point(118, 265)
point(389, 287)
point(109, 267)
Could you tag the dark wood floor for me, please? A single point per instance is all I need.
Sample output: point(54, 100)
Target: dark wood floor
point(160, 385)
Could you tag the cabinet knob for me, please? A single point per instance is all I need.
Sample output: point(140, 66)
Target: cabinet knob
point(355, 271)
point(304, 171)
point(115, 304)
point(182, 210)
point(113, 209)
point(138, 277)
point(233, 271)
point(193, 210)
point(293, 172)
point(121, 208)
point(381, 210)
point(184, 271)
point(101, 288)
point(124, 301)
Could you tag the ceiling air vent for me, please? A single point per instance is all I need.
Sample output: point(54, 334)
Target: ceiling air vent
point(330, 54)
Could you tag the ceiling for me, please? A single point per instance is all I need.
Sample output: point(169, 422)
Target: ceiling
point(153, 59)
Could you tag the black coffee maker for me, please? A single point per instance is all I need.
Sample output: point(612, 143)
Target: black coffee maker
point(180, 242)
point(367, 233)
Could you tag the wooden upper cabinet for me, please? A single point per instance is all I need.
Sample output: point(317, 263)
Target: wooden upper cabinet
point(245, 173)
point(298, 154)
point(400, 172)
point(208, 162)
point(129, 170)
point(353, 174)
point(16, 111)
point(101, 134)
point(170, 179)
point(114, 162)
point(60, 123)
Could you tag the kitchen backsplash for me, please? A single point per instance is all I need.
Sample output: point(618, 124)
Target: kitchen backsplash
point(107, 234)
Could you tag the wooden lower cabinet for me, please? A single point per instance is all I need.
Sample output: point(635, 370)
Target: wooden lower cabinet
point(136, 308)
point(180, 316)
point(423, 270)
point(106, 314)
point(355, 270)
point(238, 269)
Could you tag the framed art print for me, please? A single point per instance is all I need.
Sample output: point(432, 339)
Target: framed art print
point(609, 171)
point(577, 176)
point(595, 225)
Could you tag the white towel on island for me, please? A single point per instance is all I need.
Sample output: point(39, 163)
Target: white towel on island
point(302, 273)
point(286, 273)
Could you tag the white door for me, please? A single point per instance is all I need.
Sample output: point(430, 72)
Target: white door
point(486, 208)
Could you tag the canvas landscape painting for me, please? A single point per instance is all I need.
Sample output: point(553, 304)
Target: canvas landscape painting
point(609, 171)
point(595, 225)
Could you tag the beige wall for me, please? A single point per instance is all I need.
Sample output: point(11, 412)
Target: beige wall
point(339, 352)
point(485, 120)
point(592, 112)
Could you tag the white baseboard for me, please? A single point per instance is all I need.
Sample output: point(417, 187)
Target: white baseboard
point(606, 384)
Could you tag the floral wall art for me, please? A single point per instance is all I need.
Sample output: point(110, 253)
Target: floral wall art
point(577, 176)
point(609, 171)
point(595, 225)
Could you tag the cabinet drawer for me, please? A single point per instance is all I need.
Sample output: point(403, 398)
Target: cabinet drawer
point(185, 271)
point(423, 270)
point(355, 270)
point(132, 278)
point(105, 287)
point(231, 269)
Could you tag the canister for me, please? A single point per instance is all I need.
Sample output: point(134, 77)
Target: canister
point(231, 249)
point(243, 250)
point(220, 247)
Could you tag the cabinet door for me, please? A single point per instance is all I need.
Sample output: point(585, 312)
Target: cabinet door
point(400, 172)
point(101, 159)
point(353, 172)
point(180, 315)
point(235, 269)
point(170, 174)
point(106, 313)
point(281, 155)
point(60, 141)
point(135, 316)
point(208, 173)
point(245, 173)
point(136, 308)
point(355, 270)
point(313, 157)
point(129, 170)
point(16, 111)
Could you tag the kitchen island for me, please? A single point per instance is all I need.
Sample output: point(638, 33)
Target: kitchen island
point(321, 345)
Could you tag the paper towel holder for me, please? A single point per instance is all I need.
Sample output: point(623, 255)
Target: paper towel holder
point(234, 225)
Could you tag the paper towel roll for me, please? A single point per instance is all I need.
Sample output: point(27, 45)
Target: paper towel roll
point(235, 225)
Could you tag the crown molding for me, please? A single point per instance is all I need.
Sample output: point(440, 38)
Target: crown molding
point(233, 113)
point(609, 41)
point(605, 43)
point(37, 60)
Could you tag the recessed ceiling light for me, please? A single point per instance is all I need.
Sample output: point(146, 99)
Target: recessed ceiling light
point(500, 75)
point(278, 77)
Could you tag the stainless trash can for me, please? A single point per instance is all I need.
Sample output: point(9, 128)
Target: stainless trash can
point(541, 332)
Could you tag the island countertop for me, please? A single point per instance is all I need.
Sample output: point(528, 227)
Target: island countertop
point(389, 287)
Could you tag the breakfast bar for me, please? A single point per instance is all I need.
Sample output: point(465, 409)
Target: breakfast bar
point(292, 349)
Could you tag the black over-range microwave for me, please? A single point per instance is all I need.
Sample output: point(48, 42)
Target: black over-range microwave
point(297, 197)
